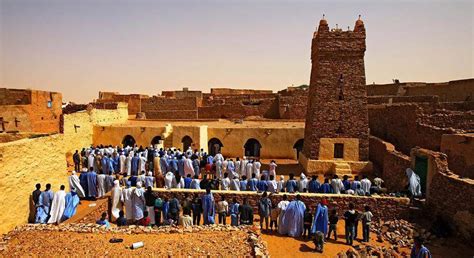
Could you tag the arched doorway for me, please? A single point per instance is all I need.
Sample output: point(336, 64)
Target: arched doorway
point(128, 140)
point(156, 140)
point(298, 146)
point(214, 146)
point(252, 148)
point(187, 142)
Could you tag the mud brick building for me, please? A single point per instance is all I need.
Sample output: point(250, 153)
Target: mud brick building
point(336, 130)
point(30, 111)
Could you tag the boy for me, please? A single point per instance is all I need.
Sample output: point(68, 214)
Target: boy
point(333, 219)
point(308, 220)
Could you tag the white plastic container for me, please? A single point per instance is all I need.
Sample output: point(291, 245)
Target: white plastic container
point(137, 245)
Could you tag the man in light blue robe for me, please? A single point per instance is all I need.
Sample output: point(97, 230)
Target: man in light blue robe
point(252, 183)
point(320, 221)
point(181, 166)
point(173, 165)
point(92, 184)
point(72, 200)
point(292, 219)
point(210, 159)
point(164, 164)
point(44, 205)
point(105, 164)
point(209, 207)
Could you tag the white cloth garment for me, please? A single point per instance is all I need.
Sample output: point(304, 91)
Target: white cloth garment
point(57, 207)
point(75, 184)
point(100, 185)
point(365, 184)
point(414, 182)
point(256, 168)
point(170, 180)
point(127, 200)
point(116, 199)
point(303, 183)
point(337, 185)
point(188, 167)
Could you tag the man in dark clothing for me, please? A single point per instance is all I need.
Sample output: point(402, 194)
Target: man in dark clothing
point(150, 204)
point(36, 194)
point(246, 213)
point(204, 184)
point(197, 211)
point(307, 221)
point(333, 224)
point(121, 221)
point(174, 209)
point(77, 161)
point(350, 217)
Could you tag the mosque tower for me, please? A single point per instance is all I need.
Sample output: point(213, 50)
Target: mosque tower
point(336, 138)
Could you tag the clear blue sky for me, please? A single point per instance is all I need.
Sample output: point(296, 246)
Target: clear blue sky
point(81, 47)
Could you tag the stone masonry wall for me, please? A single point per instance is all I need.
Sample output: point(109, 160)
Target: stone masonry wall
point(25, 162)
point(337, 106)
point(389, 163)
point(292, 104)
point(170, 108)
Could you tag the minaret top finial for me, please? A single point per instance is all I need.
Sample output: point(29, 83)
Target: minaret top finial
point(359, 16)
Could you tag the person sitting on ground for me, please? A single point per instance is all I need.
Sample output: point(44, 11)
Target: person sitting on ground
point(272, 185)
point(281, 184)
point(145, 221)
point(326, 187)
point(359, 191)
point(365, 185)
point(222, 210)
point(419, 250)
point(225, 183)
point(346, 183)
point(291, 185)
point(262, 185)
point(319, 241)
point(313, 185)
point(337, 185)
point(252, 184)
point(187, 181)
point(103, 220)
point(243, 183)
point(195, 184)
point(185, 220)
point(121, 220)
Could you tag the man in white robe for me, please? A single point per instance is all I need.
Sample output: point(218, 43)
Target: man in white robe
point(249, 169)
point(170, 180)
point(116, 195)
point(243, 167)
point(225, 183)
point(142, 163)
point(75, 183)
point(123, 162)
point(414, 186)
point(90, 159)
point(138, 201)
point(100, 185)
point(58, 206)
point(237, 166)
point(337, 185)
point(272, 169)
point(256, 168)
point(126, 198)
point(128, 164)
point(365, 184)
point(188, 167)
point(272, 185)
point(303, 183)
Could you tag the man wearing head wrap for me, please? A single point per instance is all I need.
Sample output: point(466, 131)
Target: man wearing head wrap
point(75, 183)
point(126, 198)
point(170, 180)
point(122, 163)
point(138, 201)
point(149, 181)
point(303, 183)
point(116, 194)
point(281, 184)
point(320, 221)
point(72, 200)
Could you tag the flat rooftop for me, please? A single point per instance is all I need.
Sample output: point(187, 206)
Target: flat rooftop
point(215, 123)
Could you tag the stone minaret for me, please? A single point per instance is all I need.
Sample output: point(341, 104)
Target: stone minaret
point(337, 121)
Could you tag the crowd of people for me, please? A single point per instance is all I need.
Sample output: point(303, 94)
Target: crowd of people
point(116, 170)
point(172, 168)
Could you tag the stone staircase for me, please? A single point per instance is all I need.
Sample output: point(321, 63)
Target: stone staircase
point(342, 168)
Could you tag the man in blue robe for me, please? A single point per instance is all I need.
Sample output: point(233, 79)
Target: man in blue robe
point(110, 166)
point(320, 221)
point(116, 162)
point(72, 200)
point(346, 183)
point(173, 165)
point(105, 164)
point(326, 187)
point(44, 205)
point(181, 166)
point(92, 184)
point(210, 159)
point(292, 218)
point(252, 183)
point(313, 185)
point(291, 185)
point(262, 185)
point(163, 164)
point(209, 207)
point(135, 160)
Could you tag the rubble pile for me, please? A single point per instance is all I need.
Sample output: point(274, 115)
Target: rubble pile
point(222, 238)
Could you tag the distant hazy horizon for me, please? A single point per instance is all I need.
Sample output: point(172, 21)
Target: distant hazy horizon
point(82, 47)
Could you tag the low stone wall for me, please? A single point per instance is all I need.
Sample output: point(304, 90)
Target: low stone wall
point(384, 208)
point(389, 163)
point(92, 214)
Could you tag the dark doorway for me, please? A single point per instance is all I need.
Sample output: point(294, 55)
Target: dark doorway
point(214, 146)
point(187, 142)
point(2, 125)
point(338, 150)
point(155, 140)
point(421, 169)
point(298, 146)
point(128, 140)
point(252, 148)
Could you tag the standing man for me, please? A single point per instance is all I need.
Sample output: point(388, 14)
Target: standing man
point(320, 222)
point(77, 161)
point(44, 205)
point(209, 209)
point(58, 206)
point(222, 210)
point(292, 218)
point(350, 217)
point(264, 210)
point(246, 213)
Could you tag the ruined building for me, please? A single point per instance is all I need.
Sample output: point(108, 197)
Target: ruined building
point(336, 129)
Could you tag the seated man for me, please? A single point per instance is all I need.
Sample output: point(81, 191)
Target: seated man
point(145, 221)
point(186, 220)
point(103, 220)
